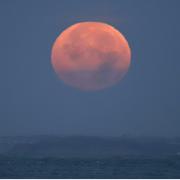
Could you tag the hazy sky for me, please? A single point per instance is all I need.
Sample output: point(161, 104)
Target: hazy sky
point(34, 101)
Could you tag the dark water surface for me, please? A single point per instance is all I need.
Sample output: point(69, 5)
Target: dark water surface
point(121, 167)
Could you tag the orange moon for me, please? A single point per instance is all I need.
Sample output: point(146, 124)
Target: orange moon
point(91, 56)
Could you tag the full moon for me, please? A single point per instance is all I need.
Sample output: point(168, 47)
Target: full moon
point(91, 56)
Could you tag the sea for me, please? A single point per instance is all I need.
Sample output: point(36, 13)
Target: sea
point(114, 167)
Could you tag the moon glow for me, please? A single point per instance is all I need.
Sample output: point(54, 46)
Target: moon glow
point(91, 56)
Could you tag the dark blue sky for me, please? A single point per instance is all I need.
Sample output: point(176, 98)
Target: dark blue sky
point(34, 101)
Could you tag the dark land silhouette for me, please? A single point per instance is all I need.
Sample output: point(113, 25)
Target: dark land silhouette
point(87, 146)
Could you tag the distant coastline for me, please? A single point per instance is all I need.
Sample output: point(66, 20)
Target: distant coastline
point(87, 146)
